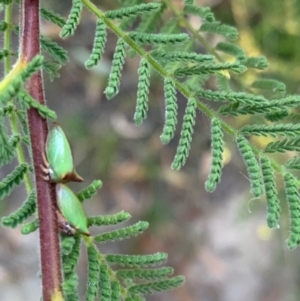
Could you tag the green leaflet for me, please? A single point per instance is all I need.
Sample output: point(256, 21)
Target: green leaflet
point(73, 19)
point(273, 204)
point(187, 131)
point(59, 156)
point(143, 92)
point(137, 260)
point(105, 284)
point(171, 109)
point(114, 79)
point(24, 212)
point(14, 178)
point(133, 11)
point(123, 233)
point(99, 44)
point(93, 274)
point(252, 165)
point(219, 28)
point(293, 198)
point(157, 286)
point(71, 208)
point(89, 191)
point(217, 148)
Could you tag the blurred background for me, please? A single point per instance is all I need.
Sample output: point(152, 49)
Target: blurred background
point(219, 241)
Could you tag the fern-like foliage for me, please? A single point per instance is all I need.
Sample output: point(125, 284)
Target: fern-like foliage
point(217, 143)
point(252, 165)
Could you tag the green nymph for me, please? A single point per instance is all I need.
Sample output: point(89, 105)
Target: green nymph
point(71, 209)
point(59, 165)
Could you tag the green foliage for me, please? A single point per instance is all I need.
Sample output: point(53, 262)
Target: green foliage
point(89, 191)
point(188, 57)
point(105, 284)
point(32, 67)
point(171, 108)
point(93, 274)
point(202, 12)
point(273, 204)
point(13, 179)
point(269, 84)
point(221, 29)
point(29, 102)
point(145, 274)
point(115, 72)
point(293, 197)
point(142, 93)
point(73, 19)
point(133, 11)
point(185, 135)
point(257, 62)
point(99, 44)
point(137, 260)
point(56, 51)
point(53, 17)
point(30, 227)
point(210, 69)
point(217, 148)
point(289, 130)
point(23, 213)
point(254, 172)
point(123, 233)
point(232, 49)
point(283, 146)
point(157, 286)
point(234, 97)
point(159, 39)
point(107, 220)
point(293, 163)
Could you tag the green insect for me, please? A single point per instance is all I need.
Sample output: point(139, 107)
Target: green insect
point(71, 209)
point(64, 226)
point(59, 166)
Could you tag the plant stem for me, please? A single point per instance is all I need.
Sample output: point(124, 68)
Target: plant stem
point(46, 199)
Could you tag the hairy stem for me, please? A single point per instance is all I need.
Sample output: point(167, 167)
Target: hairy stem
point(49, 241)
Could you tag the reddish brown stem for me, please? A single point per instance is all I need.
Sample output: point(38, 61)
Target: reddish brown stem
point(49, 241)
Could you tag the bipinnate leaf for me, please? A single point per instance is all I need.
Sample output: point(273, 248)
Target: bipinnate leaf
point(143, 92)
point(23, 213)
point(217, 148)
point(187, 131)
point(253, 168)
point(273, 204)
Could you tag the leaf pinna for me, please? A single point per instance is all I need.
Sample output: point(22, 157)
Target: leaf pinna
point(71, 209)
point(60, 166)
